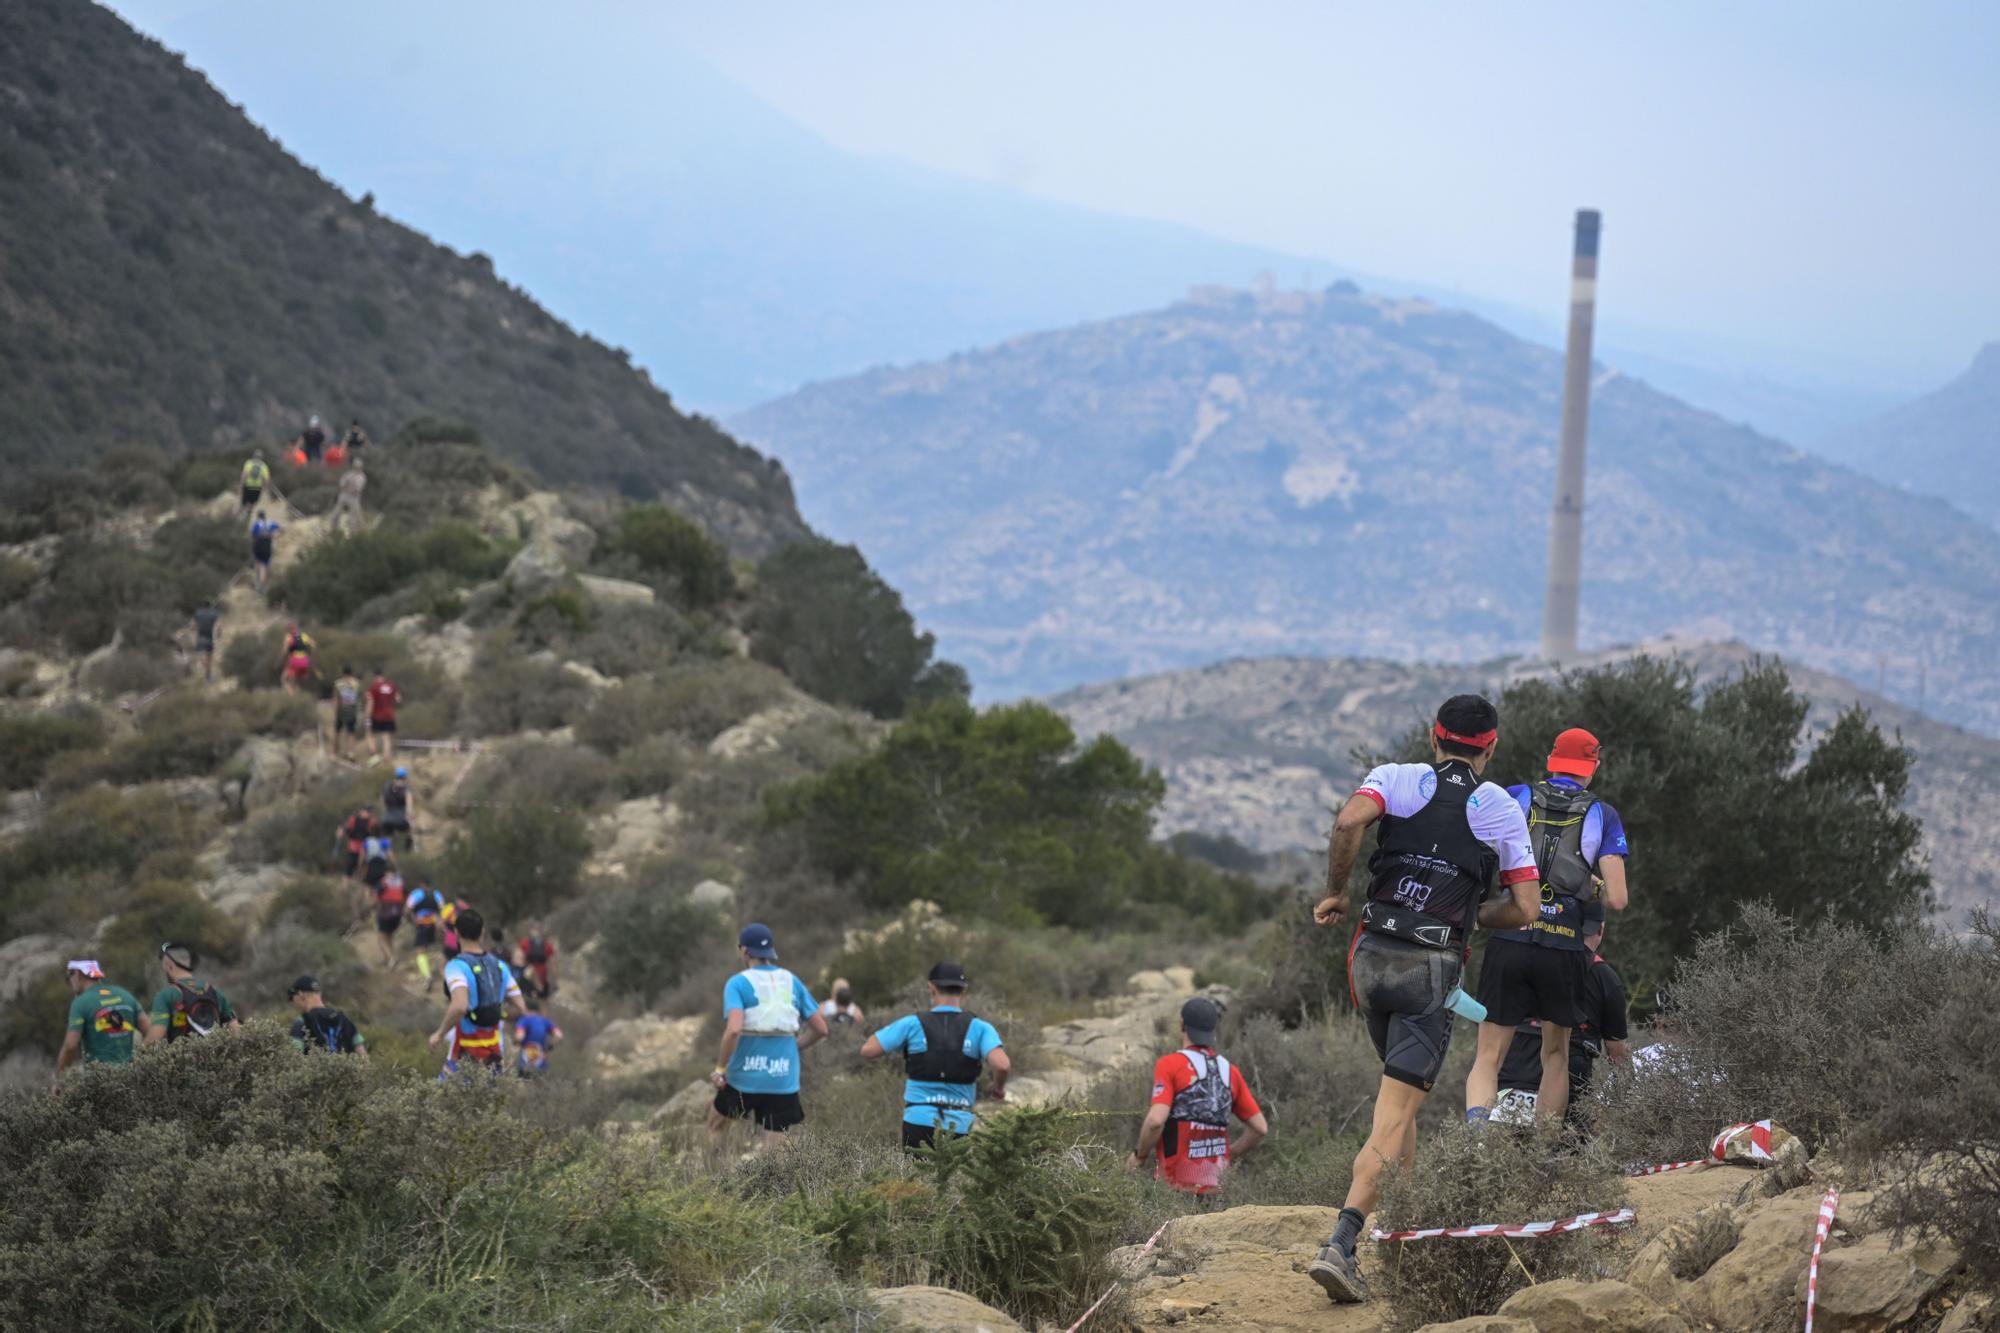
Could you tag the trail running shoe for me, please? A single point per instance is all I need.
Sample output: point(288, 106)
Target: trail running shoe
point(1339, 1275)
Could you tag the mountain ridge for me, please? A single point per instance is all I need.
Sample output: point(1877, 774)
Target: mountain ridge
point(173, 277)
point(1261, 473)
point(1941, 444)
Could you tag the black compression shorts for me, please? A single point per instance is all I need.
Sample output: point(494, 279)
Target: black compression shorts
point(775, 1111)
point(1519, 981)
point(1402, 988)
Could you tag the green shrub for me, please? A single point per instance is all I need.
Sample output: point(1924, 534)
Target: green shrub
point(191, 735)
point(648, 936)
point(162, 912)
point(301, 832)
point(311, 902)
point(699, 701)
point(830, 623)
point(132, 671)
point(540, 773)
point(635, 641)
point(102, 585)
point(1463, 1176)
point(18, 576)
point(555, 616)
point(419, 431)
point(518, 862)
point(28, 741)
point(335, 578)
point(207, 473)
point(674, 549)
point(507, 693)
point(655, 765)
point(1000, 814)
point(98, 828)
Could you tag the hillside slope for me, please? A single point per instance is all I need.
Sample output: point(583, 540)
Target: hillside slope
point(1260, 749)
point(1340, 473)
point(1942, 444)
point(173, 277)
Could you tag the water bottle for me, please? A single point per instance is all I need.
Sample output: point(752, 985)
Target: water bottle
point(1467, 1008)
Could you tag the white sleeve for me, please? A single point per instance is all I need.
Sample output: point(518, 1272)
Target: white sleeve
point(1397, 788)
point(1498, 822)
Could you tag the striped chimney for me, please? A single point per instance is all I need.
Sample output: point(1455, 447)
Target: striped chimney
point(1559, 611)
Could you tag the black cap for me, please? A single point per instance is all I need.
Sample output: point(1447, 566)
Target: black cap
point(305, 985)
point(949, 976)
point(1201, 1016)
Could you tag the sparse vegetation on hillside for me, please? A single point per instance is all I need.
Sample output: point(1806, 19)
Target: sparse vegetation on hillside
point(176, 277)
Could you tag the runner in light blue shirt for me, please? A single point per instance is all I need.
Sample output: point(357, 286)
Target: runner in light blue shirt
point(757, 1067)
point(944, 1051)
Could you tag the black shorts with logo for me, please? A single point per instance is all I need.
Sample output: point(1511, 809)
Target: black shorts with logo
point(922, 1136)
point(1402, 987)
point(1519, 981)
point(775, 1111)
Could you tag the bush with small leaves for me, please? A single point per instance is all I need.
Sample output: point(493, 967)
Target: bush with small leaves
point(28, 741)
point(672, 548)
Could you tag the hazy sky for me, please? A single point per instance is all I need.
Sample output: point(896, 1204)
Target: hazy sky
point(1812, 178)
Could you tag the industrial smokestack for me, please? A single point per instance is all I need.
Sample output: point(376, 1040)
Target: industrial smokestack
point(1566, 523)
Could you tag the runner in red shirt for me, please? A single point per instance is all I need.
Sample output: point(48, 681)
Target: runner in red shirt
point(1195, 1091)
point(535, 962)
point(382, 700)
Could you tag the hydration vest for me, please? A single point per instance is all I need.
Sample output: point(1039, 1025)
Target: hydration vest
point(775, 1014)
point(1429, 872)
point(1556, 817)
point(396, 796)
point(1206, 1101)
point(535, 949)
point(943, 1059)
point(486, 1005)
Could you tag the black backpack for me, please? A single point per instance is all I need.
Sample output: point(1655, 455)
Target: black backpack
point(201, 1008)
point(489, 990)
point(943, 1059)
point(331, 1029)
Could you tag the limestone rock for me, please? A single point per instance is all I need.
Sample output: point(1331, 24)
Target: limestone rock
point(1481, 1323)
point(629, 1046)
point(451, 648)
point(713, 893)
point(616, 592)
point(1569, 1306)
point(536, 568)
point(1970, 1313)
point(1259, 1226)
point(940, 1309)
point(588, 674)
point(1873, 1286)
point(26, 959)
point(686, 1104)
point(764, 732)
point(273, 772)
point(1047, 1086)
point(241, 891)
point(1242, 1269)
point(634, 829)
point(1753, 1284)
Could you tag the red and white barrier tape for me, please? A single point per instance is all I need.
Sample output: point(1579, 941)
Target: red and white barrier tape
point(1827, 1208)
point(1621, 1218)
point(1098, 1304)
point(1637, 1170)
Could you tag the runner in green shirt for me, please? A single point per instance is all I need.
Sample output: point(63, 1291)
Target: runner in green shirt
point(187, 1006)
point(105, 1021)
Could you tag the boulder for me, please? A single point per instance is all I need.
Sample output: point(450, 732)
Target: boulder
point(941, 1309)
point(588, 674)
point(1875, 1285)
point(764, 732)
point(450, 649)
point(1481, 1323)
point(1753, 1284)
point(713, 893)
point(616, 592)
point(273, 773)
point(1569, 1306)
point(633, 830)
point(686, 1104)
point(1971, 1312)
point(26, 959)
point(242, 891)
point(536, 568)
point(631, 1046)
point(1241, 1269)
point(1253, 1226)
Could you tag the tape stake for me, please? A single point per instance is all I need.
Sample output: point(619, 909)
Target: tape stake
point(1098, 1304)
point(1827, 1208)
point(1623, 1217)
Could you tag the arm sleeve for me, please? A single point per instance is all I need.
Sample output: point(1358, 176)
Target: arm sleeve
point(987, 1038)
point(1170, 1075)
point(513, 982)
point(1242, 1102)
point(1376, 786)
point(163, 1005)
point(1611, 1019)
point(79, 1014)
point(1612, 840)
point(1499, 823)
point(738, 994)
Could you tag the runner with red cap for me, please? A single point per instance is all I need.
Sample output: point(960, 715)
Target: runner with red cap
point(1542, 972)
point(1446, 837)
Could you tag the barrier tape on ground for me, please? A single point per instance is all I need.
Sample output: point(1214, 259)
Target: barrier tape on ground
point(1098, 1304)
point(463, 747)
point(1827, 1208)
point(1623, 1217)
point(1637, 1169)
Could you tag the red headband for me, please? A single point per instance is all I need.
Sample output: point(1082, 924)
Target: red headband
point(1479, 742)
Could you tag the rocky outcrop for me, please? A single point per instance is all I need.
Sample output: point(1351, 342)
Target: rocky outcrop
point(632, 831)
point(1876, 1285)
point(616, 592)
point(631, 1046)
point(1568, 1306)
point(535, 569)
point(26, 959)
point(1240, 1269)
point(713, 893)
point(1758, 1281)
point(940, 1309)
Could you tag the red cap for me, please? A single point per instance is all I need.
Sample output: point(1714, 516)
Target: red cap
point(1575, 753)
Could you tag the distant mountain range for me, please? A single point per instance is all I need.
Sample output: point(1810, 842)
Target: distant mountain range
point(1945, 443)
point(1343, 473)
point(1260, 749)
point(170, 276)
point(666, 208)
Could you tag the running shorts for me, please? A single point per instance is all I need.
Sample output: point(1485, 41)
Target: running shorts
point(426, 933)
point(775, 1111)
point(347, 719)
point(251, 495)
point(385, 725)
point(1401, 988)
point(1519, 981)
point(387, 921)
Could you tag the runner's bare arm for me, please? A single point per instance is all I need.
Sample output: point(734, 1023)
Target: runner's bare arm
point(997, 1061)
point(454, 1011)
point(732, 1030)
point(815, 1031)
point(1255, 1130)
point(872, 1048)
point(1343, 846)
point(1521, 906)
point(1150, 1130)
point(1612, 870)
point(71, 1048)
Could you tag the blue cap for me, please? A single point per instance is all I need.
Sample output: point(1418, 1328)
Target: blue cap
point(757, 941)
